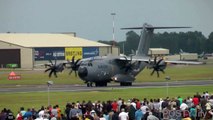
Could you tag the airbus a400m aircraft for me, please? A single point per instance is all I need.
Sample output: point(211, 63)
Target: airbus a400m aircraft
point(122, 69)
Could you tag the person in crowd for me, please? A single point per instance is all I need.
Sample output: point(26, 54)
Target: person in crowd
point(180, 99)
point(114, 105)
point(138, 114)
point(115, 115)
point(152, 117)
point(151, 105)
point(19, 116)
point(110, 114)
point(123, 105)
point(211, 113)
point(177, 102)
point(193, 112)
point(196, 100)
point(10, 115)
point(34, 113)
point(74, 113)
point(123, 115)
point(41, 113)
point(211, 101)
point(189, 102)
point(144, 108)
point(132, 110)
point(146, 114)
point(202, 103)
point(156, 105)
point(58, 112)
point(22, 111)
point(206, 95)
point(183, 105)
point(3, 114)
point(54, 112)
point(28, 114)
point(165, 104)
point(173, 104)
point(119, 103)
point(67, 110)
point(89, 105)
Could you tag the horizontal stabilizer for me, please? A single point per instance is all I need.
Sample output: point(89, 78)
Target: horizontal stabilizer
point(150, 27)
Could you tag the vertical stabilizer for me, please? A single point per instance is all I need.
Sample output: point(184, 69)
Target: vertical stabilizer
point(146, 36)
point(145, 40)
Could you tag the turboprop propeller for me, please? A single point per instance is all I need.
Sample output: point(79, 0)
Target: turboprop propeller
point(54, 68)
point(157, 65)
point(74, 65)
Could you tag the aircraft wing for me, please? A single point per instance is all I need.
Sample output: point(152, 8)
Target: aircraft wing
point(147, 59)
point(184, 62)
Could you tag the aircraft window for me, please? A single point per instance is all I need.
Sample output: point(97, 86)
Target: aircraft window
point(84, 64)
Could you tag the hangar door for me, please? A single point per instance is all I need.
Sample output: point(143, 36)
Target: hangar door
point(10, 58)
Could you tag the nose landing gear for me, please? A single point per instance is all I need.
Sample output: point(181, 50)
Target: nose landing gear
point(89, 84)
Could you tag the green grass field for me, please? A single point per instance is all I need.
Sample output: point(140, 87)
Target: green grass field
point(36, 99)
point(176, 72)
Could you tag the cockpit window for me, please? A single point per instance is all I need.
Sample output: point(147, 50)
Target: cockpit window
point(86, 64)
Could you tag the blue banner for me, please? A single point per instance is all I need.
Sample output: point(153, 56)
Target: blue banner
point(90, 52)
point(49, 54)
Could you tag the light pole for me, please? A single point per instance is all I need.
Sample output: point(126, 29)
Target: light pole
point(167, 78)
point(113, 26)
point(49, 83)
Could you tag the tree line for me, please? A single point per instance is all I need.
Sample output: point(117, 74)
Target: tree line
point(194, 42)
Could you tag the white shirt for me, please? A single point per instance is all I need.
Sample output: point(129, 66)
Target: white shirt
point(41, 114)
point(183, 106)
point(123, 116)
point(143, 108)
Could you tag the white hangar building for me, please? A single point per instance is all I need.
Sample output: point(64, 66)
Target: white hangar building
point(25, 50)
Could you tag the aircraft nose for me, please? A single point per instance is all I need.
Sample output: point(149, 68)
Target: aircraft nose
point(82, 72)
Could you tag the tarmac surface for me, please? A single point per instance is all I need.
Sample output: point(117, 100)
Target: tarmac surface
point(67, 88)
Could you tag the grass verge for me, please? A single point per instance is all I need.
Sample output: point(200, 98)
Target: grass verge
point(36, 99)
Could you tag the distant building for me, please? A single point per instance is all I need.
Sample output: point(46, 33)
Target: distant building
point(28, 49)
point(183, 56)
point(158, 52)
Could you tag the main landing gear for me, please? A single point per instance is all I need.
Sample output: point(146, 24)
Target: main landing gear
point(89, 84)
point(125, 84)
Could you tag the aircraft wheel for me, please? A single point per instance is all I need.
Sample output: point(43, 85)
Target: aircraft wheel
point(88, 85)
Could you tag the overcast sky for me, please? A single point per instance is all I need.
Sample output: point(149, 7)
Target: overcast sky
point(91, 19)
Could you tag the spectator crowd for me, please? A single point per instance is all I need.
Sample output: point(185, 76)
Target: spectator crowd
point(198, 107)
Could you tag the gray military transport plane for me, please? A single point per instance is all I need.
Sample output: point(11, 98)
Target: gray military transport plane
point(103, 69)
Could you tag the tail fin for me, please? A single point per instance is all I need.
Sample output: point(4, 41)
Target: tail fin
point(146, 36)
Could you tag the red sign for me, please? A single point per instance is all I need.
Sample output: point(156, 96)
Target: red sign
point(16, 77)
point(13, 76)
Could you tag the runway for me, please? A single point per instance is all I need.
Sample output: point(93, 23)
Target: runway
point(67, 88)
